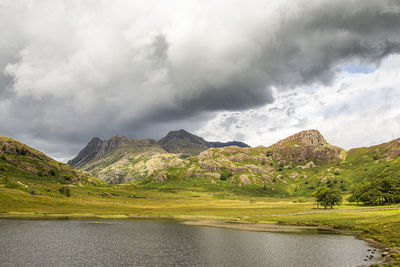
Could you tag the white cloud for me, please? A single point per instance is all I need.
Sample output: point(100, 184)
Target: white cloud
point(70, 70)
point(358, 109)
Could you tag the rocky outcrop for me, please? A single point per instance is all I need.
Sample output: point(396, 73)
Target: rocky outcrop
point(96, 148)
point(303, 147)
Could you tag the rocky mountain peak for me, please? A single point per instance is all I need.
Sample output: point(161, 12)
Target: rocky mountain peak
point(182, 141)
point(96, 148)
point(306, 146)
point(308, 137)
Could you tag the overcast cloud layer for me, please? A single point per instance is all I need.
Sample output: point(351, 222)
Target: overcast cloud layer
point(71, 70)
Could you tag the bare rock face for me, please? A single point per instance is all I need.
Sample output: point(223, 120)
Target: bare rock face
point(183, 142)
point(189, 144)
point(159, 176)
point(96, 148)
point(304, 147)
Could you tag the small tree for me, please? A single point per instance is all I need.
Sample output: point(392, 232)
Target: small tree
point(328, 197)
point(65, 191)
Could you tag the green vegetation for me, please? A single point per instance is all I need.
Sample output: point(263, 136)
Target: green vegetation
point(248, 185)
point(65, 191)
point(381, 190)
point(201, 200)
point(328, 197)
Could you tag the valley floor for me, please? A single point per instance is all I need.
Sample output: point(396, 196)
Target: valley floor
point(200, 207)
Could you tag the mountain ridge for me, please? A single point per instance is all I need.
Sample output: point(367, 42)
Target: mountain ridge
point(120, 159)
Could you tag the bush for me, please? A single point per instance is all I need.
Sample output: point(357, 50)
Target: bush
point(3, 157)
point(65, 190)
point(32, 192)
point(52, 172)
point(225, 174)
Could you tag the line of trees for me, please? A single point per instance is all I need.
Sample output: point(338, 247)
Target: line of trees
point(379, 191)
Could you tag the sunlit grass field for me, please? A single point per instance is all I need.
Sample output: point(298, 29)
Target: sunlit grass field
point(127, 201)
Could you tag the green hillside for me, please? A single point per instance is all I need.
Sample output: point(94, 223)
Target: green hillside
point(295, 166)
point(24, 168)
point(262, 185)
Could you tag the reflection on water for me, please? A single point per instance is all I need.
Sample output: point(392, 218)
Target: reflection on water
point(143, 243)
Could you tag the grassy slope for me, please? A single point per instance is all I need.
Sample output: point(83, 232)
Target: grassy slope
point(180, 197)
point(20, 162)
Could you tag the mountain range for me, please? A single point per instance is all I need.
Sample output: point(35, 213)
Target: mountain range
point(120, 159)
point(295, 165)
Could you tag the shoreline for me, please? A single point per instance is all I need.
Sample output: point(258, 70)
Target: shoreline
point(219, 223)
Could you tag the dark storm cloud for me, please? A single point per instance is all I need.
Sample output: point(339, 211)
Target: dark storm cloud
point(73, 70)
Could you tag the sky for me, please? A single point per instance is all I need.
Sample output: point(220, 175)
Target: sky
point(255, 71)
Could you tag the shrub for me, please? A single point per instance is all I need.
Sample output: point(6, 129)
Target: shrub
point(225, 174)
point(52, 172)
point(65, 190)
point(32, 191)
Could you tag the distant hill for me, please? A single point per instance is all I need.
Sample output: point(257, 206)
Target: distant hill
point(306, 147)
point(120, 159)
point(96, 148)
point(231, 143)
point(19, 161)
point(293, 166)
point(184, 142)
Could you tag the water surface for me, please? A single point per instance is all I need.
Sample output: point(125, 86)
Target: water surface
point(145, 243)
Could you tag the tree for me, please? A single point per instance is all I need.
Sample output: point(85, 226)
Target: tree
point(65, 191)
point(328, 197)
point(381, 190)
point(357, 192)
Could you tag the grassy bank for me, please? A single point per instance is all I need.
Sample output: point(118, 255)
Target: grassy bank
point(135, 201)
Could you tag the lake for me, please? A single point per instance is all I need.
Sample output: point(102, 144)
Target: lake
point(148, 243)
